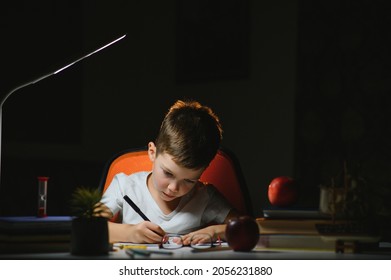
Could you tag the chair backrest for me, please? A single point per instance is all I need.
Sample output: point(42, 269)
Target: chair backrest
point(223, 172)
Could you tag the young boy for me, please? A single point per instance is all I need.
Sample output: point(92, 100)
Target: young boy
point(171, 195)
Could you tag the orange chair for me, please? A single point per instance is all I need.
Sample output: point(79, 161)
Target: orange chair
point(223, 172)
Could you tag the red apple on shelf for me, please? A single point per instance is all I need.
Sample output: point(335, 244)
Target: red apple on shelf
point(242, 233)
point(283, 191)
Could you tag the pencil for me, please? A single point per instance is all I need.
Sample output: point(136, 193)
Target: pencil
point(148, 252)
point(135, 208)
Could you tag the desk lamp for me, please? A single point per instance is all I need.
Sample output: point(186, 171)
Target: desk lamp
point(44, 77)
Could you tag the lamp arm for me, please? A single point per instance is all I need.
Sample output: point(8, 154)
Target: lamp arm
point(5, 99)
point(42, 78)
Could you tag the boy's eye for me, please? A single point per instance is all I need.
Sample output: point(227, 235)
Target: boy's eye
point(190, 181)
point(187, 181)
point(168, 174)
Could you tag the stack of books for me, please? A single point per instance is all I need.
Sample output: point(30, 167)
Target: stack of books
point(29, 234)
point(305, 230)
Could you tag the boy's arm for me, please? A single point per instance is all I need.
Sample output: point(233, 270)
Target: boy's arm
point(216, 231)
point(144, 232)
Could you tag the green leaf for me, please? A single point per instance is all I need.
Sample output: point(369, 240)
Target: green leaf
point(84, 201)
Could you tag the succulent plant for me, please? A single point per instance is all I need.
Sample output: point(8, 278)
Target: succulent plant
point(85, 202)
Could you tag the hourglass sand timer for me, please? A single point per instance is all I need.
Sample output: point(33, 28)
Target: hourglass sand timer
point(42, 196)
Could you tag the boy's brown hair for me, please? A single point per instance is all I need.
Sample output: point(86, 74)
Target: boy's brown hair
point(191, 133)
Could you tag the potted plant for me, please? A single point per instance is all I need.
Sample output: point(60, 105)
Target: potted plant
point(89, 228)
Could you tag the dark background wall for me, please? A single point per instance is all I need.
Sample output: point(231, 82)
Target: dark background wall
point(287, 79)
point(343, 98)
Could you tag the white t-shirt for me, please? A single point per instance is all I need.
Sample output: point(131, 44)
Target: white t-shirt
point(202, 205)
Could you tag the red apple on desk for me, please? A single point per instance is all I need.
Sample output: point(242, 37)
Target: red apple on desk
point(283, 191)
point(242, 233)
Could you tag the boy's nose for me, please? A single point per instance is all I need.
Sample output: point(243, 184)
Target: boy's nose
point(173, 186)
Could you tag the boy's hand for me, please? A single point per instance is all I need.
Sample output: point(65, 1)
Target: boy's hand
point(215, 231)
point(101, 210)
point(146, 232)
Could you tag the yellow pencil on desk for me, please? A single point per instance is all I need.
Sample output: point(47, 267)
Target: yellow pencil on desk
point(130, 246)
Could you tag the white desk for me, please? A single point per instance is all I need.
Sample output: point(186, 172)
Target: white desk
point(187, 253)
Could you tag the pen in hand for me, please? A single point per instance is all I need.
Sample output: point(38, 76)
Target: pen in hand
point(135, 208)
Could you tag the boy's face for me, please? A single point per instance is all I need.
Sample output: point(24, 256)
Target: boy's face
point(170, 180)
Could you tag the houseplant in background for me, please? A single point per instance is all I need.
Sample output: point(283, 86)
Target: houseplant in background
point(89, 228)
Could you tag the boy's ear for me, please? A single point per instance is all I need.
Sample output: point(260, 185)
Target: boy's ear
point(152, 151)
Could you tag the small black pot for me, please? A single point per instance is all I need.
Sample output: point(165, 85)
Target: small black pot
point(90, 236)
